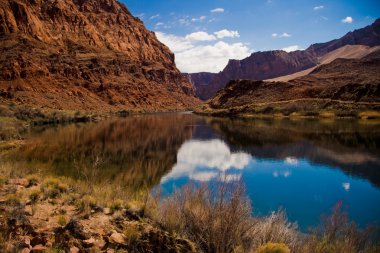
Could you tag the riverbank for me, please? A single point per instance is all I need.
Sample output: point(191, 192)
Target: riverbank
point(40, 213)
point(301, 108)
point(16, 120)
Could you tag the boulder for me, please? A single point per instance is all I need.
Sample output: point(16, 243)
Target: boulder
point(117, 238)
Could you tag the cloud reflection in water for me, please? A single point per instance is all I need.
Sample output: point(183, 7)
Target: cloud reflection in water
point(206, 160)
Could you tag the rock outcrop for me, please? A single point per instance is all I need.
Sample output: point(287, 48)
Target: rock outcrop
point(351, 83)
point(271, 64)
point(85, 55)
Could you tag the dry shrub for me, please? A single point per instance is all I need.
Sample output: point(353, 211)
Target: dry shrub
point(338, 234)
point(217, 218)
point(132, 233)
point(275, 228)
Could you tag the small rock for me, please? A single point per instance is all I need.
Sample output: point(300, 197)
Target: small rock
point(107, 211)
point(74, 250)
point(39, 249)
point(28, 211)
point(19, 181)
point(100, 243)
point(25, 242)
point(25, 250)
point(117, 238)
point(110, 251)
point(89, 243)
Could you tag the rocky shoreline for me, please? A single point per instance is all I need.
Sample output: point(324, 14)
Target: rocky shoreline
point(34, 218)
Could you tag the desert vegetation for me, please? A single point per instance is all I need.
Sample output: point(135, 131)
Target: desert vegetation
point(216, 217)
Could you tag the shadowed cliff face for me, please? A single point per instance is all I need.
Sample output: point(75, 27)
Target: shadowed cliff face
point(85, 54)
point(271, 64)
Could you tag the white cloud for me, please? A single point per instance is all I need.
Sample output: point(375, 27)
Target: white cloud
point(283, 35)
point(210, 58)
point(193, 54)
point(200, 36)
point(226, 33)
point(159, 24)
point(155, 16)
point(175, 43)
point(217, 10)
point(317, 8)
point(206, 160)
point(348, 20)
point(200, 19)
point(291, 48)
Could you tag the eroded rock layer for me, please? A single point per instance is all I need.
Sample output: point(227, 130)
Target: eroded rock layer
point(85, 55)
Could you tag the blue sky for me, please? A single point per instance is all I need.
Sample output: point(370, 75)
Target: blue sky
point(204, 34)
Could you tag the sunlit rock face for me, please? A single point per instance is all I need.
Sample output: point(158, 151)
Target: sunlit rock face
point(91, 55)
point(206, 160)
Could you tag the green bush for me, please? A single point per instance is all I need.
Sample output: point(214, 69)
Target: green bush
point(116, 205)
point(52, 187)
point(271, 247)
point(34, 196)
point(86, 204)
point(62, 220)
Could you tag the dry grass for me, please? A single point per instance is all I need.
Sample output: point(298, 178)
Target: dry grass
point(275, 228)
point(217, 219)
point(338, 234)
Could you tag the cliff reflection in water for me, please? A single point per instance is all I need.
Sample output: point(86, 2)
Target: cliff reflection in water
point(305, 166)
point(135, 151)
point(351, 146)
point(147, 150)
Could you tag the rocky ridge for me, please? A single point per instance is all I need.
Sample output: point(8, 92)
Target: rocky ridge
point(272, 64)
point(344, 84)
point(85, 55)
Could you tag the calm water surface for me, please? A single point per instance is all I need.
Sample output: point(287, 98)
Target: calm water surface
point(303, 166)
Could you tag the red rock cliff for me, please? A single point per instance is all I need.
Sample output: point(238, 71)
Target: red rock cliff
point(85, 55)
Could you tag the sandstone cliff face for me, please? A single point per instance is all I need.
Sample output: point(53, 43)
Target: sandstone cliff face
point(85, 55)
point(271, 64)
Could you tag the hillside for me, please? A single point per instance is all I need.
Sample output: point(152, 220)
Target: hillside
point(272, 64)
point(344, 85)
point(85, 55)
point(345, 52)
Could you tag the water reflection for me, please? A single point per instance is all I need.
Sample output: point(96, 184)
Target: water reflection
point(304, 166)
point(205, 160)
